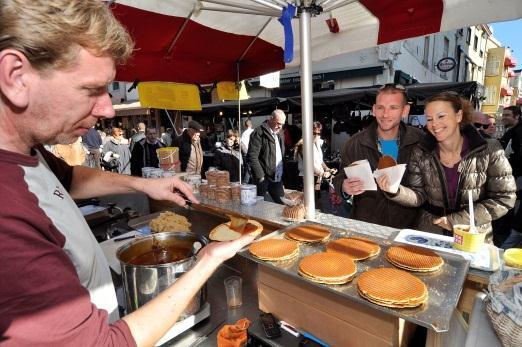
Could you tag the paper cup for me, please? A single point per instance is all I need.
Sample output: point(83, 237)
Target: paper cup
point(465, 241)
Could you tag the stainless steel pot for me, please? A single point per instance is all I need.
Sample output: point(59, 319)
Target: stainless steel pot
point(142, 283)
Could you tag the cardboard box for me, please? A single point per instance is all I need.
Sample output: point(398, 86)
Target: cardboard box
point(334, 319)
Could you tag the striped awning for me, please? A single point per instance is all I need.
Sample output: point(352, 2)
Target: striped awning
point(194, 41)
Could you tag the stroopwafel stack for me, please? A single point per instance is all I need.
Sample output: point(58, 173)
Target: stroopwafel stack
point(357, 248)
point(211, 177)
point(274, 249)
point(203, 188)
point(328, 268)
point(296, 212)
point(222, 178)
point(414, 258)
point(392, 288)
point(308, 233)
point(211, 192)
point(222, 194)
point(235, 191)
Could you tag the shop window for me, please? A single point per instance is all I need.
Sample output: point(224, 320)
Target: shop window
point(490, 93)
point(493, 65)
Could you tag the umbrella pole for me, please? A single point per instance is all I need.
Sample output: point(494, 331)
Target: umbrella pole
point(307, 111)
point(239, 119)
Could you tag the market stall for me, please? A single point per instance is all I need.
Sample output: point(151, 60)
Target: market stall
point(290, 296)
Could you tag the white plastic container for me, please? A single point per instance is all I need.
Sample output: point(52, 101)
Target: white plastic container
point(248, 194)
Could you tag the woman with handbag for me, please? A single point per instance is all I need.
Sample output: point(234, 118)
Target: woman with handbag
point(321, 170)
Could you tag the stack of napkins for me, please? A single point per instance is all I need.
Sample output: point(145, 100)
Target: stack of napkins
point(361, 169)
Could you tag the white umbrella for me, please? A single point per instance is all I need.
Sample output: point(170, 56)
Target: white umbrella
point(204, 41)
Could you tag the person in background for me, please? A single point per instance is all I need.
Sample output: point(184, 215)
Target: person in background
point(320, 168)
point(228, 157)
point(387, 135)
point(265, 156)
point(138, 136)
point(144, 152)
point(166, 137)
point(450, 161)
point(481, 123)
point(57, 58)
point(116, 153)
point(190, 151)
point(512, 138)
point(73, 154)
point(245, 136)
point(492, 129)
point(93, 143)
point(245, 140)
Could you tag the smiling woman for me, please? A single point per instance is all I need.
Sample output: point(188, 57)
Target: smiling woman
point(452, 159)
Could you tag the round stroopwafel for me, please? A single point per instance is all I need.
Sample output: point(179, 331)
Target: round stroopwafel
point(357, 248)
point(392, 288)
point(414, 258)
point(308, 233)
point(329, 268)
point(386, 161)
point(274, 249)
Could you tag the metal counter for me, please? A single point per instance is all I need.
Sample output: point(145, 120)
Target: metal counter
point(444, 285)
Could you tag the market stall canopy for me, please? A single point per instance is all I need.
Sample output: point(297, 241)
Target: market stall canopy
point(195, 41)
point(256, 106)
point(418, 91)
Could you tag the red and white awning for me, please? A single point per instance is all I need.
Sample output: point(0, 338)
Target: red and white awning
point(212, 42)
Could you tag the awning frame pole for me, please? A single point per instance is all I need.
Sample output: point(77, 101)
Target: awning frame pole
point(307, 111)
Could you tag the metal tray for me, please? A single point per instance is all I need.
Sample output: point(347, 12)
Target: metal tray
point(444, 286)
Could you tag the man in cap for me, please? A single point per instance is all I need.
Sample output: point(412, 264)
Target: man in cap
point(190, 151)
point(56, 59)
point(265, 156)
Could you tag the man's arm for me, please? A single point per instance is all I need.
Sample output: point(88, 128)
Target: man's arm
point(254, 148)
point(87, 183)
point(165, 309)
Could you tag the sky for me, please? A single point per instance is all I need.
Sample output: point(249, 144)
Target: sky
point(509, 34)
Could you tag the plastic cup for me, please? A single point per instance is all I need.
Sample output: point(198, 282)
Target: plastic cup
point(233, 288)
point(466, 241)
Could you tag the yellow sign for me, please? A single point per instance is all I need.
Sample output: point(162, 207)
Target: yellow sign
point(170, 96)
point(228, 91)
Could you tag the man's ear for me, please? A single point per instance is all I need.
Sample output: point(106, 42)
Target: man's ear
point(14, 69)
point(406, 111)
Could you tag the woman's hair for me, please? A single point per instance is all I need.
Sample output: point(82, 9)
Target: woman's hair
point(317, 127)
point(50, 32)
point(232, 133)
point(457, 103)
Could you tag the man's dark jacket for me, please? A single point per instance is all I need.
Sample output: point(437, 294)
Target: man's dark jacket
point(143, 155)
point(373, 206)
point(184, 143)
point(262, 152)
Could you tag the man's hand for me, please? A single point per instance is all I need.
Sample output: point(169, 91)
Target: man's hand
point(384, 184)
point(170, 189)
point(353, 186)
point(221, 251)
point(443, 223)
